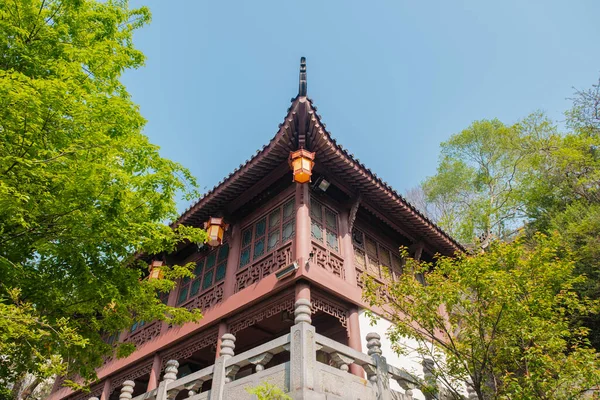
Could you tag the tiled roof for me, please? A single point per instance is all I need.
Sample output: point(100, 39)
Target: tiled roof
point(338, 159)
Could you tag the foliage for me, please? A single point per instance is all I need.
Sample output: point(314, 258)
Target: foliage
point(584, 117)
point(475, 191)
point(562, 193)
point(500, 321)
point(81, 189)
point(268, 391)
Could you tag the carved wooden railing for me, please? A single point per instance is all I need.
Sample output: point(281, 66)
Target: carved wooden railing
point(264, 266)
point(144, 334)
point(302, 376)
point(206, 299)
point(328, 260)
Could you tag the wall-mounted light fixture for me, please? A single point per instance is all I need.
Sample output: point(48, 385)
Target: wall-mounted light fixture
point(324, 184)
point(286, 271)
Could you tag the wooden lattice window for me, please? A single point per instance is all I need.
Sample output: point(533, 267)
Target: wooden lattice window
point(137, 325)
point(208, 271)
point(324, 225)
point(163, 297)
point(272, 230)
point(375, 258)
point(112, 339)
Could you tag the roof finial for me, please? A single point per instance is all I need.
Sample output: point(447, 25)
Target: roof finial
point(302, 86)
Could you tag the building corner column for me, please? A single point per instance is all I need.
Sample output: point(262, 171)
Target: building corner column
point(347, 248)
point(302, 291)
point(233, 260)
point(354, 341)
point(223, 329)
point(154, 373)
point(302, 246)
point(106, 390)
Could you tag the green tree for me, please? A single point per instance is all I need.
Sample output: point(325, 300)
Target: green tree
point(474, 180)
point(499, 322)
point(562, 192)
point(476, 194)
point(81, 189)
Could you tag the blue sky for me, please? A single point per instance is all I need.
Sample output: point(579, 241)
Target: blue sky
point(391, 79)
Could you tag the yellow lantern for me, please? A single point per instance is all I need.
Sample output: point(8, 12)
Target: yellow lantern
point(215, 228)
point(156, 271)
point(301, 162)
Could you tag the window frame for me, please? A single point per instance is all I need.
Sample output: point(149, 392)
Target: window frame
point(396, 262)
point(221, 255)
point(324, 226)
point(252, 235)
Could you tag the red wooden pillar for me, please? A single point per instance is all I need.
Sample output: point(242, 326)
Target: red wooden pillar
point(154, 373)
point(347, 248)
point(302, 241)
point(223, 329)
point(302, 291)
point(354, 338)
point(233, 260)
point(106, 390)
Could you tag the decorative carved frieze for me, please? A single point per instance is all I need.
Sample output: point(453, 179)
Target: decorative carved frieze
point(145, 334)
point(382, 289)
point(285, 302)
point(359, 278)
point(257, 271)
point(324, 303)
point(206, 300)
point(190, 346)
point(95, 391)
point(264, 310)
point(328, 261)
point(131, 374)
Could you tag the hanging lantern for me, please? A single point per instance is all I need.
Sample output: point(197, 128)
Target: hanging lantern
point(301, 163)
point(215, 228)
point(156, 271)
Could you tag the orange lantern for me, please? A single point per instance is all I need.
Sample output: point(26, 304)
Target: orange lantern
point(301, 163)
point(215, 228)
point(156, 271)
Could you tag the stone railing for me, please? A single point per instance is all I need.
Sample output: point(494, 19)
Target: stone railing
point(302, 377)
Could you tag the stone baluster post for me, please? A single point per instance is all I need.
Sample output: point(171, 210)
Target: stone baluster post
point(194, 387)
point(381, 378)
point(127, 390)
point(341, 361)
point(407, 385)
point(303, 356)
point(260, 361)
point(429, 378)
point(231, 372)
point(170, 376)
point(220, 375)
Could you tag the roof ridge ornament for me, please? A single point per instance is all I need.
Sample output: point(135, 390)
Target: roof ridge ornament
point(302, 85)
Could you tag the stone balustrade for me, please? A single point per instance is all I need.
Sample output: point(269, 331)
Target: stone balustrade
point(302, 377)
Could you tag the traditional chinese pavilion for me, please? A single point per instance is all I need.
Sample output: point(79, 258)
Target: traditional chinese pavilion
point(302, 219)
